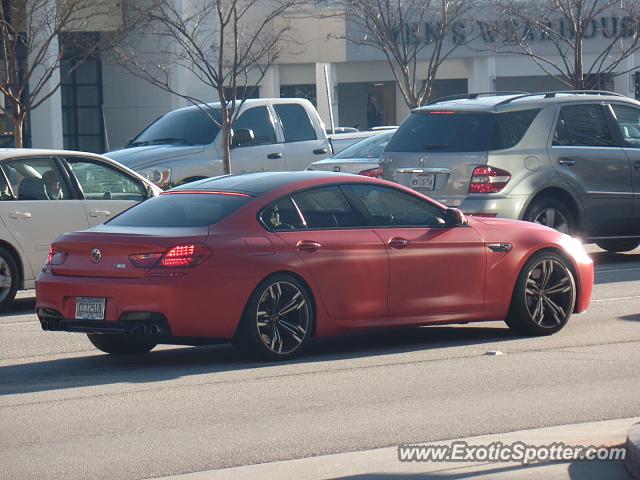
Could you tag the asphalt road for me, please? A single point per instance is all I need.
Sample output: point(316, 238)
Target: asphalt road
point(67, 411)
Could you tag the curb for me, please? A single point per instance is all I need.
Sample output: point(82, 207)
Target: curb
point(633, 451)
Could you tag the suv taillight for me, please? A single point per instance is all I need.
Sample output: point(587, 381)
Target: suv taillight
point(180, 256)
point(377, 172)
point(487, 179)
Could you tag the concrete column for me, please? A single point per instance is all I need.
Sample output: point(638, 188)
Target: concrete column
point(482, 74)
point(270, 85)
point(46, 120)
point(402, 111)
point(321, 93)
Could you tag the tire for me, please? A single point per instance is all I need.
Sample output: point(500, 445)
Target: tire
point(553, 213)
point(267, 336)
point(617, 246)
point(9, 278)
point(535, 310)
point(121, 344)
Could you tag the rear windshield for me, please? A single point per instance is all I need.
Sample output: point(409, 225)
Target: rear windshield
point(445, 131)
point(187, 126)
point(180, 210)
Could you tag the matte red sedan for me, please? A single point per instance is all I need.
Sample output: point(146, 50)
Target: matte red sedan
point(270, 260)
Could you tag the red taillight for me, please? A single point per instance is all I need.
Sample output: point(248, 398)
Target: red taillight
point(377, 172)
point(487, 179)
point(180, 256)
point(55, 257)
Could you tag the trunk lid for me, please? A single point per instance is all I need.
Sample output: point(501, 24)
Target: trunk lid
point(114, 245)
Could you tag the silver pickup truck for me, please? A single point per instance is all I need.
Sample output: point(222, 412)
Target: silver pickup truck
point(185, 144)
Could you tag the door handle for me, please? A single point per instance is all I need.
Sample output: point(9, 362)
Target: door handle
point(397, 242)
point(567, 162)
point(320, 151)
point(636, 165)
point(99, 213)
point(20, 215)
point(308, 246)
point(273, 156)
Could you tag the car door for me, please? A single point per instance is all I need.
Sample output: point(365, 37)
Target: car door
point(302, 144)
point(43, 206)
point(433, 269)
point(106, 190)
point(348, 263)
point(586, 155)
point(265, 153)
point(627, 119)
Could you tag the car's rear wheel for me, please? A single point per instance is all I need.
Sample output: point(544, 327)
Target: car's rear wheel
point(552, 213)
point(544, 296)
point(121, 344)
point(617, 246)
point(8, 278)
point(278, 319)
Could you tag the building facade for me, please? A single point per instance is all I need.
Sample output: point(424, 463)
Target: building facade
point(101, 105)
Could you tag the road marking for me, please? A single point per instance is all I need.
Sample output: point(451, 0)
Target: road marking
point(17, 323)
point(615, 298)
point(617, 270)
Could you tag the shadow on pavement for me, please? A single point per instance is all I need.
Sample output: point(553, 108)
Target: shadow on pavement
point(174, 363)
point(20, 306)
point(632, 317)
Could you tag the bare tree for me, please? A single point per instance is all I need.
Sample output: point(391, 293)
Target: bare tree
point(228, 45)
point(30, 56)
point(405, 31)
point(526, 27)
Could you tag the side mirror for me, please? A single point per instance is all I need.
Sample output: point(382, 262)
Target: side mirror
point(455, 217)
point(242, 136)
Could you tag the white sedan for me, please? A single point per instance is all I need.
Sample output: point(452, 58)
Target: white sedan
point(44, 193)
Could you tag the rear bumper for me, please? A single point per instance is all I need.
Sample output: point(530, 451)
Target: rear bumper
point(503, 206)
point(180, 306)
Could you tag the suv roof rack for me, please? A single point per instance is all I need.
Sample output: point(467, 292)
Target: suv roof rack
point(473, 96)
point(562, 92)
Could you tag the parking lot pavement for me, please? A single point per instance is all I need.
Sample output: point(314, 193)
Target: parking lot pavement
point(67, 411)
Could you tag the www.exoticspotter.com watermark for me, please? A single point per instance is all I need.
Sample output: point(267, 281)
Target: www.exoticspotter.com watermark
point(520, 452)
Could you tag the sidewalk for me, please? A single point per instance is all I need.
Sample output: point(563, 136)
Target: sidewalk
point(383, 463)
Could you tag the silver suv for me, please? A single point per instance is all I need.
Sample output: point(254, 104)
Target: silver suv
point(568, 160)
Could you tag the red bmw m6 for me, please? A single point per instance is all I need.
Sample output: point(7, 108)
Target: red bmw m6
point(269, 260)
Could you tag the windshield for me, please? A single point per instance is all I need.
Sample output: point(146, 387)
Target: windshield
point(448, 131)
point(187, 126)
point(179, 211)
point(371, 147)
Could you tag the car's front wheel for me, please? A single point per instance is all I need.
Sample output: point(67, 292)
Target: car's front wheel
point(544, 296)
point(278, 319)
point(617, 246)
point(121, 343)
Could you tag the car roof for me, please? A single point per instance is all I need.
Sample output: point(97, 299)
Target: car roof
point(36, 152)
point(517, 101)
point(262, 182)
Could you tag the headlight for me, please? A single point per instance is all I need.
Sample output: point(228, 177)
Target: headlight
point(161, 176)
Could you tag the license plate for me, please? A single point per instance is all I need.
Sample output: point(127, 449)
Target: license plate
point(422, 181)
point(90, 308)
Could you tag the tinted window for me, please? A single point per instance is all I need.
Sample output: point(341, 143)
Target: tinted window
point(259, 120)
point(510, 127)
point(582, 126)
point(36, 179)
point(102, 182)
point(629, 124)
point(325, 208)
point(296, 123)
point(368, 148)
point(281, 215)
point(176, 210)
point(190, 126)
point(391, 207)
point(447, 131)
